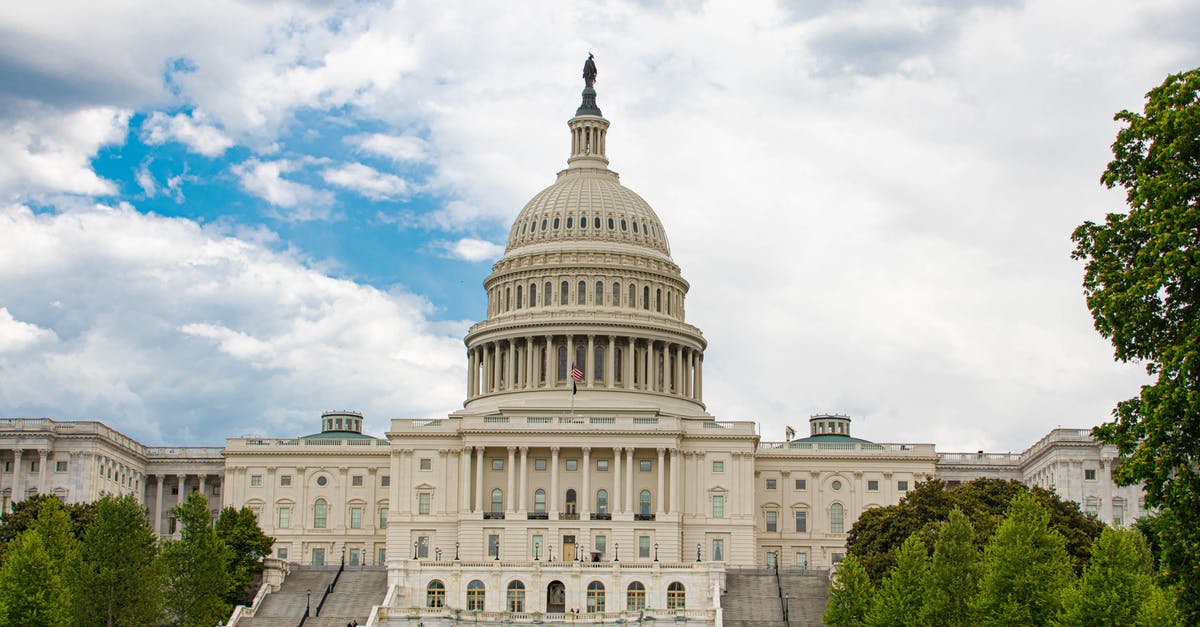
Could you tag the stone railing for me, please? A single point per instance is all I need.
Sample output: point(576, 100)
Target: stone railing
point(858, 448)
point(292, 444)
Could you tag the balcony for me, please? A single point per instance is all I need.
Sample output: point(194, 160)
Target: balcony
point(568, 516)
point(539, 516)
point(493, 515)
point(643, 516)
point(596, 516)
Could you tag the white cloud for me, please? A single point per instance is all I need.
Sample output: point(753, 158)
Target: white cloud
point(193, 131)
point(265, 180)
point(469, 249)
point(50, 151)
point(366, 181)
point(174, 332)
point(405, 148)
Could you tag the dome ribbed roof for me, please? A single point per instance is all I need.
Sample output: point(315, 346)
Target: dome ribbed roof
point(588, 204)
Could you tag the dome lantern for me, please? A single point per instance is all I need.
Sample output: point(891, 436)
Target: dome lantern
point(588, 127)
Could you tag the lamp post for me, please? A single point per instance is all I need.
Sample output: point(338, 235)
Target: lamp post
point(307, 601)
point(697, 551)
point(497, 549)
point(656, 551)
point(616, 551)
point(414, 550)
point(456, 551)
point(437, 553)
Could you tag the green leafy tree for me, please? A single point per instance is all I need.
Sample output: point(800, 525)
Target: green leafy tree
point(248, 545)
point(24, 513)
point(1158, 610)
point(118, 581)
point(1113, 585)
point(32, 591)
point(902, 594)
point(196, 567)
point(1142, 283)
point(953, 578)
point(1026, 568)
point(850, 596)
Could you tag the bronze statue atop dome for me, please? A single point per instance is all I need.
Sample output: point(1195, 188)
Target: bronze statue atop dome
point(589, 71)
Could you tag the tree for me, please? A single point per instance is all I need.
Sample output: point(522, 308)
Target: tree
point(953, 578)
point(118, 581)
point(24, 513)
point(248, 545)
point(1158, 610)
point(1026, 567)
point(1115, 583)
point(197, 579)
point(32, 591)
point(850, 596)
point(1142, 283)
point(902, 594)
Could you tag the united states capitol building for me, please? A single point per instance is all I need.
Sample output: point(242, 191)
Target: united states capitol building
point(584, 474)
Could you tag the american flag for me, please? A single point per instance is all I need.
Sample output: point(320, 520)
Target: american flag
point(576, 374)
point(576, 377)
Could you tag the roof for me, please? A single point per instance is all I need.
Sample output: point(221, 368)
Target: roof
point(831, 437)
point(338, 435)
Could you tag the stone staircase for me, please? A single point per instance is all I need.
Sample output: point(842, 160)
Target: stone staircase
point(285, 607)
point(356, 592)
point(807, 594)
point(751, 598)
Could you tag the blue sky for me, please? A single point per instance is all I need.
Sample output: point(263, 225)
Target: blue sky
point(222, 219)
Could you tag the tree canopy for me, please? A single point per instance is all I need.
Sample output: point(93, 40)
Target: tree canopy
point(196, 568)
point(238, 530)
point(850, 596)
point(1142, 283)
point(118, 581)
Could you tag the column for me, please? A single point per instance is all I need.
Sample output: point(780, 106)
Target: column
point(43, 471)
point(675, 480)
point(496, 367)
point(524, 478)
point(585, 500)
point(700, 504)
point(486, 369)
point(570, 354)
point(464, 479)
point(510, 366)
point(550, 356)
point(629, 351)
point(530, 370)
point(479, 478)
point(629, 470)
point(662, 482)
point(156, 524)
point(652, 355)
point(590, 367)
point(470, 373)
point(609, 360)
point(509, 501)
point(616, 484)
point(677, 380)
point(553, 505)
point(204, 486)
point(700, 376)
point(18, 485)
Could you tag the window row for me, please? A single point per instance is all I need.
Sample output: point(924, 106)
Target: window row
point(645, 502)
point(649, 297)
point(320, 515)
point(635, 596)
point(584, 223)
point(836, 485)
point(356, 481)
point(837, 519)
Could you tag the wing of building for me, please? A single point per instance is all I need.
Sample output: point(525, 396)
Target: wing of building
point(583, 473)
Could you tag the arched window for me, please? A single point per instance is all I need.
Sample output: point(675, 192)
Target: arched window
point(646, 297)
point(598, 365)
point(610, 224)
point(319, 513)
point(581, 294)
point(599, 293)
point(616, 296)
point(635, 597)
point(644, 503)
point(580, 357)
point(516, 596)
point(836, 518)
point(562, 363)
point(539, 501)
point(435, 594)
point(602, 501)
point(657, 299)
point(543, 224)
point(670, 297)
point(556, 222)
point(562, 296)
point(570, 222)
point(632, 296)
point(476, 593)
point(595, 597)
point(583, 222)
point(533, 294)
point(635, 229)
point(520, 302)
point(571, 501)
point(596, 222)
point(547, 294)
point(497, 501)
point(675, 596)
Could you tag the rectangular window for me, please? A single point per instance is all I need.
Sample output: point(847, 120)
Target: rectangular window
point(718, 550)
point(285, 517)
point(385, 481)
point(356, 518)
point(802, 522)
point(601, 544)
point(772, 521)
point(383, 512)
point(536, 547)
point(318, 557)
point(645, 465)
point(60, 466)
point(718, 506)
point(902, 485)
point(1118, 514)
point(493, 545)
point(7, 466)
point(643, 546)
point(285, 480)
point(1089, 474)
point(718, 466)
point(801, 484)
point(36, 466)
point(423, 547)
point(572, 464)
point(423, 503)
point(426, 463)
point(838, 558)
point(382, 557)
point(802, 561)
point(539, 464)
point(770, 484)
point(255, 481)
point(872, 485)
point(497, 464)
point(602, 465)
point(281, 552)
point(356, 481)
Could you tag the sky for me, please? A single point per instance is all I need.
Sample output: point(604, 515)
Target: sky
point(223, 218)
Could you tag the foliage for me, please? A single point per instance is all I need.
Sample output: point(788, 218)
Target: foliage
point(118, 581)
point(197, 580)
point(32, 591)
point(248, 545)
point(879, 532)
point(24, 513)
point(902, 594)
point(850, 596)
point(1142, 283)
point(1113, 585)
point(1026, 567)
point(1158, 610)
point(953, 578)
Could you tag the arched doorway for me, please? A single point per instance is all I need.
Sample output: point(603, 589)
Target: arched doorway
point(556, 598)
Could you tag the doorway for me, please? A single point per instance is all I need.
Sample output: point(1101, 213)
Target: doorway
point(568, 553)
point(556, 598)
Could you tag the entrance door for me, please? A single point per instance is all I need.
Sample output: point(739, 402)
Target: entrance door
point(568, 553)
point(318, 557)
point(354, 553)
point(556, 598)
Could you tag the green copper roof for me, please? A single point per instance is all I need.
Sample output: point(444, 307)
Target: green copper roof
point(338, 435)
point(831, 437)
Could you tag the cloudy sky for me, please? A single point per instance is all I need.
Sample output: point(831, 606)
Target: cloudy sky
point(222, 218)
